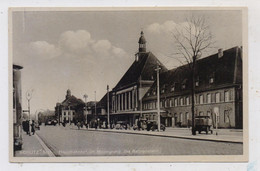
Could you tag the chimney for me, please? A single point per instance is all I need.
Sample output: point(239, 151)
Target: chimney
point(220, 53)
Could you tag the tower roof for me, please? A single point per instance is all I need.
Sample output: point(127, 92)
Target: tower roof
point(142, 39)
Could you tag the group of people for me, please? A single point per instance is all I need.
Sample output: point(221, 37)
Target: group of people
point(29, 127)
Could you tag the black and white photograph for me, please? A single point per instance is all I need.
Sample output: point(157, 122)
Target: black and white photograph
point(128, 84)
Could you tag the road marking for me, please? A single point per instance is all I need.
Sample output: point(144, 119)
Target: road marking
point(48, 151)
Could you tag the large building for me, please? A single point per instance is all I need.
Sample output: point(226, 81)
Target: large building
point(71, 109)
point(218, 91)
point(126, 96)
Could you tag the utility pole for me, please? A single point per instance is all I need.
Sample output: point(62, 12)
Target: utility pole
point(85, 97)
point(158, 98)
point(95, 106)
point(108, 119)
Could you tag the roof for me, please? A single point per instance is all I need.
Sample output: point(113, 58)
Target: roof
point(103, 102)
point(226, 70)
point(72, 101)
point(144, 67)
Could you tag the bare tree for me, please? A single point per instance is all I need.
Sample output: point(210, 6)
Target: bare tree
point(192, 38)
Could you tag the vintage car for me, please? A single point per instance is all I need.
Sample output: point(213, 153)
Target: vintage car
point(121, 125)
point(203, 123)
point(153, 125)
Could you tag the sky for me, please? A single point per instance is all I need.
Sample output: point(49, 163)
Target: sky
point(85, 51)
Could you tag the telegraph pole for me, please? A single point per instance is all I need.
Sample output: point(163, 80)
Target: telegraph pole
point(95, 106)
point(108, 119)
point(85, 97)
point(158, 98)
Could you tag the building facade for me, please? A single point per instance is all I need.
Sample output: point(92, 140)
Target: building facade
point(70, 110)
point(218, 92)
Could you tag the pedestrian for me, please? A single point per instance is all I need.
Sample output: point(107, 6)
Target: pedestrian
point(30, 128)
point(33, 127)
point(139, 124)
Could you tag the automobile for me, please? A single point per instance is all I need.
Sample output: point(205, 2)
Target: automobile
point(121, 125)
point(143, 125)
point(54, 122)
point(203, 123)
point(153, 125)
point(51, 122)
point(48, 122)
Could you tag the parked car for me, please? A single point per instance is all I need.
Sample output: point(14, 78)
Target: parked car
point(153, 125)
point(51, 122)
point(121, 125)
point(203, 123)
point(54, 122)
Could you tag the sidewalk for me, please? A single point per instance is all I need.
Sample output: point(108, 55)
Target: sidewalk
point(224, 135)
point(32, 147)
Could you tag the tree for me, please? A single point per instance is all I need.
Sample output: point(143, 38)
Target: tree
point(192, 38)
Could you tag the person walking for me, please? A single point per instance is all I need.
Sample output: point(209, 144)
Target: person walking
point(33, 127)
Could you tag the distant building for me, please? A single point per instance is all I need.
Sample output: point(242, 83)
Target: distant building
point(71, 109)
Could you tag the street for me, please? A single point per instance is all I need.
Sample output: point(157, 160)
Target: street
point(70, 141)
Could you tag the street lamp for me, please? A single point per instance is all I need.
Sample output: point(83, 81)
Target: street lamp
point(158, 98)
point(85, 97)
point(29, 97)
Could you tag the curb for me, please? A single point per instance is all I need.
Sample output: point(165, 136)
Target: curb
point(170, 136)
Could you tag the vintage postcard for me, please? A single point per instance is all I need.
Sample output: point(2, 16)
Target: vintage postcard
point(128, 85)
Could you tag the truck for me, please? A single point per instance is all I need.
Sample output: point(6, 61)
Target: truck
point(203, 123)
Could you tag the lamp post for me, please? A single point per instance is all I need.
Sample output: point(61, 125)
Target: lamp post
point(85, 97)
point(29, 97)
point(158, 98)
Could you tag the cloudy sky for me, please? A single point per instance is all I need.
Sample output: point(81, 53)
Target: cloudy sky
point(85, 50)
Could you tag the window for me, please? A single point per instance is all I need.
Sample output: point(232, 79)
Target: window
point(173, 88)
point(166, 103)
point(181, 101)
point(201, 114)
point(161, 104)
point(226, 117)
point(162, 91)
point(209, 113)
point(211, 80)
point(197, 81)
point(187, 116)
point(171, 103)
point(201, 99)
point(209, 98)
point(175, 102)
point(187, 101)
point(148, 94)
point(181, 117)
point(226, 96)
point(183, 86)
point(217, 97)
point(154, 92)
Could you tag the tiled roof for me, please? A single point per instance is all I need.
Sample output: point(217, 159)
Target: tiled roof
point(145, 66)
point(226, 70)
point(73, 101)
